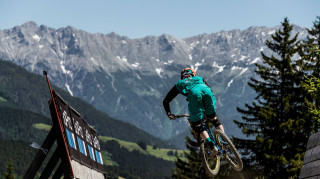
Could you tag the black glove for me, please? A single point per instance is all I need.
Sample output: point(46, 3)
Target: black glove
point(171, 116)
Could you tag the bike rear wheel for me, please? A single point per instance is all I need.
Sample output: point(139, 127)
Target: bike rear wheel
point(229, 150)
point(211, 162)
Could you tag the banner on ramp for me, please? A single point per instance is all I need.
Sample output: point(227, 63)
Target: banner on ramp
point(82, 139)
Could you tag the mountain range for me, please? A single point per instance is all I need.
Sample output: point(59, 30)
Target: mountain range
point(128, 78)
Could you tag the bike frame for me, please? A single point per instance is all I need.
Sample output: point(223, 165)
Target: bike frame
point(226, 147)
point(210, 133)
point(207, 129)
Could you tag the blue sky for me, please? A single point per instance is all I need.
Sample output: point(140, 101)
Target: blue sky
point(140, 18)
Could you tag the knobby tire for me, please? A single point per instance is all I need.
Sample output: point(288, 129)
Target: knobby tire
point(230, 152)
point(211, 163)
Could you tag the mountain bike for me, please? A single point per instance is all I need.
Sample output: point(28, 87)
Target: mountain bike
point(222, 143)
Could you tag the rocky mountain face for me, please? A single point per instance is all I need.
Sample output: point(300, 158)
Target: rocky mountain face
point(128, 78)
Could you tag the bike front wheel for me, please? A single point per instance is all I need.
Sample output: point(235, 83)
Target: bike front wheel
point(210, 161)
point(228, 150)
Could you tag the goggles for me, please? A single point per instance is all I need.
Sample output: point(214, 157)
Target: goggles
point(187, 72)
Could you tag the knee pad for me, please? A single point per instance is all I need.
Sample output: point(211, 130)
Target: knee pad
point(197, 127)
point(214, 120)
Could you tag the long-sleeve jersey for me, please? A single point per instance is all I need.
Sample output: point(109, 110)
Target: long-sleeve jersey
point(173, 93)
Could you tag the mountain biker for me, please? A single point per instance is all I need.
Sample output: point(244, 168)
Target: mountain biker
point(201, 101)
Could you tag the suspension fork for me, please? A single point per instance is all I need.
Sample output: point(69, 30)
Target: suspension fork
point(211, 135)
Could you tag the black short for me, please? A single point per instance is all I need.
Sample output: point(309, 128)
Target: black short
point(197, 127)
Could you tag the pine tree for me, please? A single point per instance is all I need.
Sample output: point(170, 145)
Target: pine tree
point(275, 120)
point(312, 85)
point(310, 63)
point(9, 174)
point(192, 167)
point(309, 54)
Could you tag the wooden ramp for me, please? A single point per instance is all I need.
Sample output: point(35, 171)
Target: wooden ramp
point(311, 163)
point(77, 154)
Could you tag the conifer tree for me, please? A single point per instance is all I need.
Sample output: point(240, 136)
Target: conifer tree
point(309, 53)
point(275, 119)
point(192, 167)
point(312, 85)
point(310, 63)
point(9, 173)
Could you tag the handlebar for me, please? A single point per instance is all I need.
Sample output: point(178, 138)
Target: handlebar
point(181, 115)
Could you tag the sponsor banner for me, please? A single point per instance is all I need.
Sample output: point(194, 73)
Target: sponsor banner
point(96, 149)
point(82, 139)
point(64, 114)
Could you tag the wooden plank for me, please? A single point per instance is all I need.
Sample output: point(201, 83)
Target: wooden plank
point(313, 140)
point(311, 163)
point(40, 156)
point(58, 173)
point(61, 140)
point(51, 165)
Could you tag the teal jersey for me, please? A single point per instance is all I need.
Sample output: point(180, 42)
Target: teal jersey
point(185, 85)
point(200, 97)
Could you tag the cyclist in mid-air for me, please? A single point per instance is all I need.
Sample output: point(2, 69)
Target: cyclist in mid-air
point(201, 101)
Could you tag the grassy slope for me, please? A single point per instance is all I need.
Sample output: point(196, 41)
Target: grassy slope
point(151, 150)
point(154, 151)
